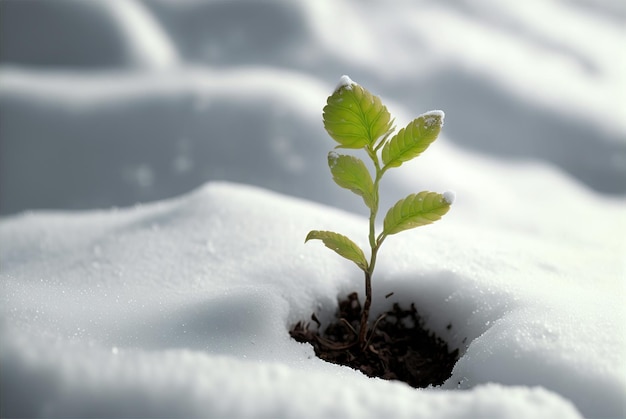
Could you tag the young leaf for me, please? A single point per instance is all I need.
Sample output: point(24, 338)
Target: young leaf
point(350, 172)
point(340, 244)
point(415, 210)
point(354, 117)
point(412, 140)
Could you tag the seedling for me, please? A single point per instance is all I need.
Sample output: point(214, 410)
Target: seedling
point(356, 119)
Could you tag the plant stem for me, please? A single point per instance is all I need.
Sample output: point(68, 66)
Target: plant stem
point(366, 309)
point(374, 210)
point(368, 292)
point(374, 246)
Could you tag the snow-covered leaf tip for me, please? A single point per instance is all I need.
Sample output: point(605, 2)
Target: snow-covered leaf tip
point(342, 245)
point(415, 210)
point(351, 173)
point(412, 140)
point(354, 117)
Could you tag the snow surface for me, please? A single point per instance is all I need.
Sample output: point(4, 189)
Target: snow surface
point(183, 307)
point(189, 137)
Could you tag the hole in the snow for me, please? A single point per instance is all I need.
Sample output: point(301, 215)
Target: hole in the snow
point(398, 347)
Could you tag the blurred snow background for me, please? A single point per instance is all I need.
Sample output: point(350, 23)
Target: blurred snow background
point(137, 311)
point(112, 103)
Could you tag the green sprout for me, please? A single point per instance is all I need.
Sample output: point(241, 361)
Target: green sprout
point(356, 119)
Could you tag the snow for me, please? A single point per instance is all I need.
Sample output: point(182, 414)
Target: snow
point(86, 35)
point(155, 197)
point(344, 81)
point(186, 296)
point(437, 115)
point(332, 159)
point(432, 118)
point(449, 197)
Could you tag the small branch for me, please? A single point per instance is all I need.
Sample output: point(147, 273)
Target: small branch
point(382, 316)
point(345, 322)
point(384, 139)
point(332, 345)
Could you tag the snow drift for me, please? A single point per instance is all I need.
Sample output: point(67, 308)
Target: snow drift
point(182, 308)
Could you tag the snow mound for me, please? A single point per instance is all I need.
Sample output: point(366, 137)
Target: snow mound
point(182, 308)
point(86, 35)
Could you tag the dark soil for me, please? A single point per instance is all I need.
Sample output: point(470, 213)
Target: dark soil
point(399, 348)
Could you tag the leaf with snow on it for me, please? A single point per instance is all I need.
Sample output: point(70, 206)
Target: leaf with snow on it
point(414, 211)
point(354, 117)
point(412, 140)
point(351, 173)
point(342, 245)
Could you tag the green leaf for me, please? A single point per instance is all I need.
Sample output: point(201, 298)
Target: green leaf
point(415, 210)
point(351, 173)
point(340, 244)
point(412, 140)
point(354, 117)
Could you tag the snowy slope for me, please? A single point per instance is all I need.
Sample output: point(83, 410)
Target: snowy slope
point(183, 308)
